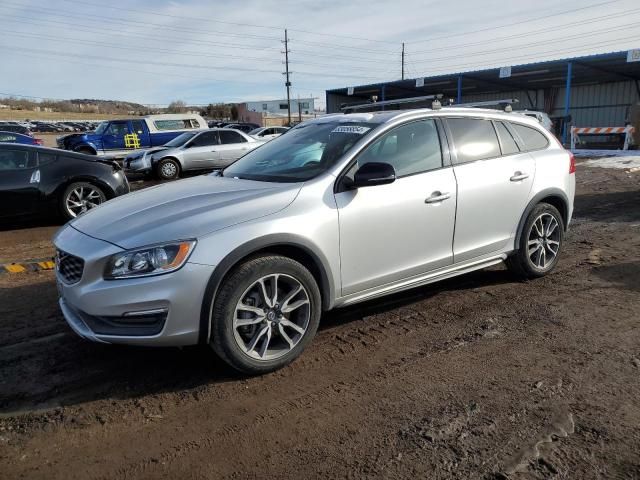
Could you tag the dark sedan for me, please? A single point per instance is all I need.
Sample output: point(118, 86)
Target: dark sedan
point(36, 180)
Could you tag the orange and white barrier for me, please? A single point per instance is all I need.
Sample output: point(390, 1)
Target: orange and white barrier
point(626, 131)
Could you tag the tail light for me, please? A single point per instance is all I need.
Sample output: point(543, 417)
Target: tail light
point(572, 163)
point(38, 141)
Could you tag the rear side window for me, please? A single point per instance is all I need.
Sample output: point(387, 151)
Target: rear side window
point(44, 158)
point(474, 139)
point(227, 136)
point(176, 124)
point(508, 144)
point(14, 159)
point(138, 126)
point(532, 138)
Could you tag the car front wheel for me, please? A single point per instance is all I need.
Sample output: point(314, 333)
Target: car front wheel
point(168, 169)
point(540, 243)
point(266, 312)
point(80, 197)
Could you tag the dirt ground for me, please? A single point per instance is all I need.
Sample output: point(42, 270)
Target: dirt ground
point(479, 377)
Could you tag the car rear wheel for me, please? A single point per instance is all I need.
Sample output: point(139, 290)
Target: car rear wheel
point(80, 197)
point(540, 243)
point(266, 312)
point(168, 169)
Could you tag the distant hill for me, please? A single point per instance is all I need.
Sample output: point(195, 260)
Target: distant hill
point(109, 106)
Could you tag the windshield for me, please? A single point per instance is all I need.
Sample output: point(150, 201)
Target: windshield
point(303, 153)
point(181, 139)
point(101, 128)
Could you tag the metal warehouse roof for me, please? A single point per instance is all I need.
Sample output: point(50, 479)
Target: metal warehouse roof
point(586, 70)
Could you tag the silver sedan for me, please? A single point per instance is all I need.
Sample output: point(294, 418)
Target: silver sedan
point(205, 150)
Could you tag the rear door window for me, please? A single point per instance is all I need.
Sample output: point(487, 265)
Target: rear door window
point(205, 139)
point(474, 139)
point(14, 159)
point(228, 137)
point(532, 138)
point(507, 143)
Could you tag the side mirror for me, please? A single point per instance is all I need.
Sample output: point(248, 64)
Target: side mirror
point(374, 173)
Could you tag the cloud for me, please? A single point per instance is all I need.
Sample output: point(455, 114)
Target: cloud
point(203, 51)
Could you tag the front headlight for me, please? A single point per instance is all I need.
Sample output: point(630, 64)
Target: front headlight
point(148, 261)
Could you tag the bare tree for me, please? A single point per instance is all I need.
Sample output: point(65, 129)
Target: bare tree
point(177, 106)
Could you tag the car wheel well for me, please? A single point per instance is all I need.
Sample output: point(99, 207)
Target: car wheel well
point(86, 150)
point(560, 204)
point(295, 252)
point(106, 189)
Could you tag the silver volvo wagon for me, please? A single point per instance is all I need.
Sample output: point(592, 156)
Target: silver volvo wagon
point(341, 209)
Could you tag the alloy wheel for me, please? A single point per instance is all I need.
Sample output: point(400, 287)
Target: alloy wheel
point(82, 199)
point(271, 317)
point(544, 241)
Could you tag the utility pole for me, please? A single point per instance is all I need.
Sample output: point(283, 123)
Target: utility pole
point(402, 60)
point(299, 110)
point(287, 83)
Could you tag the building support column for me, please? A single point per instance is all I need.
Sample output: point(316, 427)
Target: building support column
point(567, 102)
point(459, 97)
point(382, 94)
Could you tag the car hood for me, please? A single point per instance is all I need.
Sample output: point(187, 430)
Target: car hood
point(183, 209)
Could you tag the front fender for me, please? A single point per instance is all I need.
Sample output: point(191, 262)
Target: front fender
point(245, 250)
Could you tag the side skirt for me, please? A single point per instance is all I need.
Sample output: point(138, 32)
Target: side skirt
point(417, 281)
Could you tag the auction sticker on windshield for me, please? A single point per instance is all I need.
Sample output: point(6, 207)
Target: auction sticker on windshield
point(351, 129)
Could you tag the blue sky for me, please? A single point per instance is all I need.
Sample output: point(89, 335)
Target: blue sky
point(202, 51)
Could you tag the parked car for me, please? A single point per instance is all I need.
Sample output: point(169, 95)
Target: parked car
point(47, 127)
point(36, 180)
point(267, 133)
point(217, 124)
point(14, 127)
point(118, 138)
point(243, 127)
point(541, 117)
point(12, 137)
point(341, 209)
point(208, 149)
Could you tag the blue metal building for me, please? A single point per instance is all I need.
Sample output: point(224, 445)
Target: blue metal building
point(595, 91)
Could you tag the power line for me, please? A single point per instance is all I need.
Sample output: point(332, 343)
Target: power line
point(493, 40)
point(181, 17)
point(486, 29)
point(530, 44)
point(133, 35)
point(181, 65)
point(63, 13)
point(523, 60)
point(128, 47)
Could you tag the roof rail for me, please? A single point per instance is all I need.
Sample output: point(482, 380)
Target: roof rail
point(346, 108)
point(505, 103)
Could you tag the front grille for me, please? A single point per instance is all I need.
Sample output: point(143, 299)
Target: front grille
point(69, 266)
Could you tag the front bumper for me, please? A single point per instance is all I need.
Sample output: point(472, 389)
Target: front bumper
point(140, 164)
point(163, 310)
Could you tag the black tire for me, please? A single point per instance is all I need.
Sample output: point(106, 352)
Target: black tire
point(224, 337)
point(92, 200)
point(168, 169)
point(527, 265)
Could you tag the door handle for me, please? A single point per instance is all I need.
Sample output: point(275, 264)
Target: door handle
point(437, 197)
point(517, 176)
